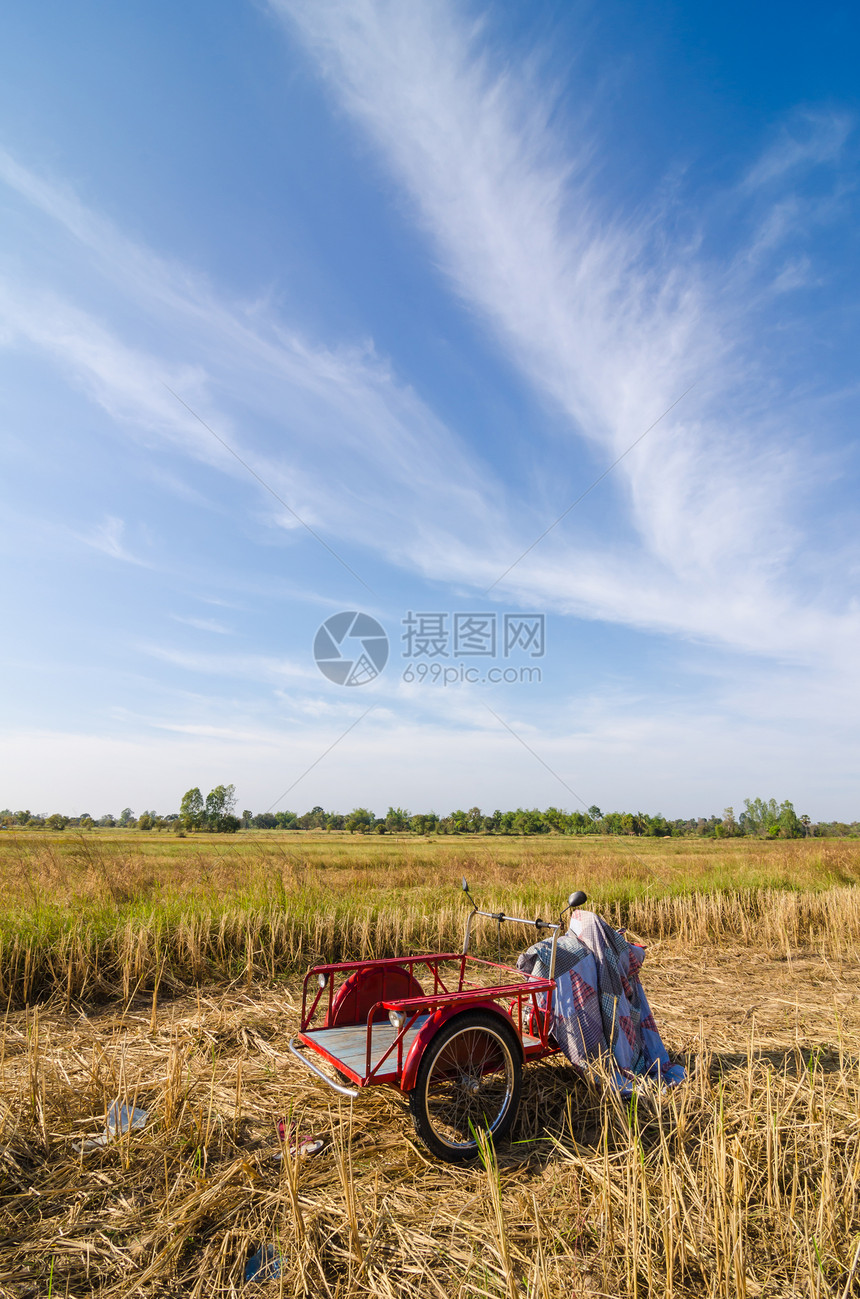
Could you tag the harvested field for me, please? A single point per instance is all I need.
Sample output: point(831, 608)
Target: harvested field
point(165, 974)
point(103, 916)
point(745, 1182)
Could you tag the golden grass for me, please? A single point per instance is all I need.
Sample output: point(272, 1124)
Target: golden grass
point(746, 1182)
point(102, 916)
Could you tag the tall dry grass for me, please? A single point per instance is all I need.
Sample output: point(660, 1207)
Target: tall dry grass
point(746, 1182)
point(99, 918)
point(164, 952)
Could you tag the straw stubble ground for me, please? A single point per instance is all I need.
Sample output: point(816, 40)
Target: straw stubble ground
point(743, 1183)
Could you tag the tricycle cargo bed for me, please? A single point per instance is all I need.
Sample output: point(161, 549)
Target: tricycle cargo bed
point(346, 1049)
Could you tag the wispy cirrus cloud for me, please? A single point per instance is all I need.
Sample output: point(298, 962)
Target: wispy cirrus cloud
point(607, 319)
point(333, 431)
point(610, 319)
point(264, 669)
point(108, 537)
point(812, 138)
point(204, 624)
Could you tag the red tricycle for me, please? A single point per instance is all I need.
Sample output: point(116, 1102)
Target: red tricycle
point(451, 1030)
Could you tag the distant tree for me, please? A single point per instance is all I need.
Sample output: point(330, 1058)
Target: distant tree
point(529, 821)
point(776, 820)
point(247, 819)
point(360, 821)
point(191, 810)
point(86, 822)
point(555, 819)
point(424, 823)
point(594, 812)
point(790, 824)
point(23, 817)
point(315, 819)
point(460, 822)
point(219, 803)
point(759, 815)
point(56, 821)
point(145, 821)
point(397, 820)
point(126, 816)
point(218, 813)
point(107, 820)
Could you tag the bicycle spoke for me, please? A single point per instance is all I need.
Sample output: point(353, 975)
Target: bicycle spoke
point(469, 1086)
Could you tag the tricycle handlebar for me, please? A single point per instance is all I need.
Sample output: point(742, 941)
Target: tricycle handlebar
point(518, 920)
point(575, 900)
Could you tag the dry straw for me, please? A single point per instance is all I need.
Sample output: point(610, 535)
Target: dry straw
point(92, 918)
point(745, 1182)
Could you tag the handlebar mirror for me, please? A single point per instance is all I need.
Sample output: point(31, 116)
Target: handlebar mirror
point(465, 885)
point(576, 900)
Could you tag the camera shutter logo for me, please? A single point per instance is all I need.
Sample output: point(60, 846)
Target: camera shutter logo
point(351, 648)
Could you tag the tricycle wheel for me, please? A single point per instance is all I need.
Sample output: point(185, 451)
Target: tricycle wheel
point(469, 1077)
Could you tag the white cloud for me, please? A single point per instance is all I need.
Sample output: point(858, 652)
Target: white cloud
point(810, 139)
point(204, 624)
point(386, 759)
point(108, 538)
point(264, 669)
point(610, 321)
point(358, 456)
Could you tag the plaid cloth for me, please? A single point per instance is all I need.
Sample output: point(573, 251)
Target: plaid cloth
point(599, 1004)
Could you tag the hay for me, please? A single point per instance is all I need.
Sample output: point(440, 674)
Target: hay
point(746, 1182)
point(165, 950)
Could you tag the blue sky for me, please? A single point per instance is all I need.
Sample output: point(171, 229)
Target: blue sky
point(428, 270)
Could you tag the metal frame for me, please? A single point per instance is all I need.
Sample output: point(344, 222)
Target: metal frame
point(515, 1002)
point(351, 1092)
point(517, 920)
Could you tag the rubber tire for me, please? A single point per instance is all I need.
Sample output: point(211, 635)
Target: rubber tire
point(499, 1030)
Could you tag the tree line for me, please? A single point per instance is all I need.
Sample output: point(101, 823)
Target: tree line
point(216, 813)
